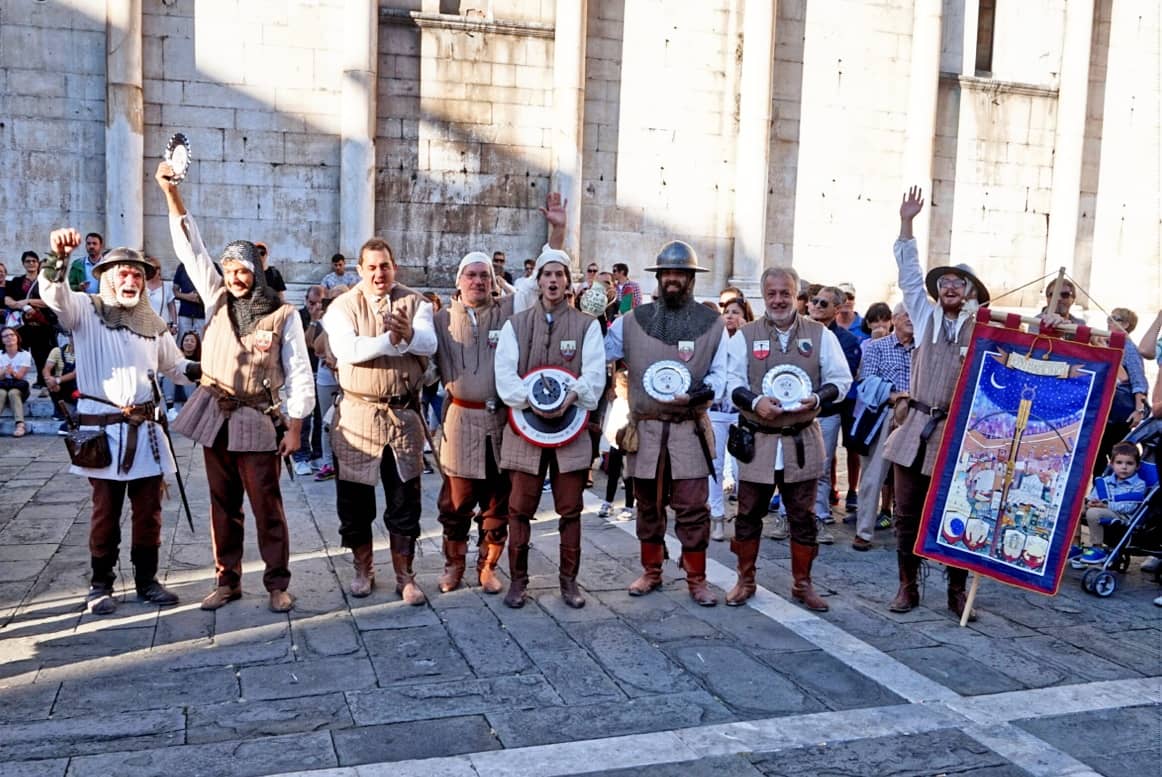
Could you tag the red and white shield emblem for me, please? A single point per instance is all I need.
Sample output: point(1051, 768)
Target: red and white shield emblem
point(685, 350)
point(263, 339)
point(493, 337)
point(761, 349)
point(568, 349)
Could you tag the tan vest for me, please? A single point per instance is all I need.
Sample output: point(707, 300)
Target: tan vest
point(465, 358)
point(687, 459)
point(365, 422)
point(803, 348)
point(935, 370)
point(538, 347)
point(237, 367)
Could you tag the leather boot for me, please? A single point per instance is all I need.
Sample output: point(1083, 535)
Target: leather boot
point(363, 560)
point(403, 550)
point(570, 565)
point(694, 563)
point(747, 552)
point(802, 557)
point(957, 594)
point(653, 553)
point(908, 596)
point(487, 557)
point(99, 600)
point(518, 563)
point(455, 552)
point(145, 577)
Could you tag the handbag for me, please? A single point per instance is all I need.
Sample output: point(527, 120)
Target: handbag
point(7, 384)
point(740, 442)
point(89, 448)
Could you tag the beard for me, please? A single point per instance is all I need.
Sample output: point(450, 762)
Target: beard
point(675, 298)
point(127, 298)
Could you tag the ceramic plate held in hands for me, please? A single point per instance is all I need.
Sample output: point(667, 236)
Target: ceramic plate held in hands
point(788, 384)
point(177, 153)
point(667, 379)
point(547, 388)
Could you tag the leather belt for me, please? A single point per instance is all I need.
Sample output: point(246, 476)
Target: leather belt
point(935, 416)
point(794, 431)
point(395, 402)
point(467, 403)
point(133, 415)
point(228, 402)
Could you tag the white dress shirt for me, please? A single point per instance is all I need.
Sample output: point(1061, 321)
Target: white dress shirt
point(352, 348)
point(589, 386)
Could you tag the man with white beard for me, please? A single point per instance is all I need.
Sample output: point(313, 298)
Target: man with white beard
point(120, 345)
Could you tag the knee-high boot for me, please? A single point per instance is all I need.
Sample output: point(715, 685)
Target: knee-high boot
point(802, 557)
point(908, 595)
point(747, 552)
point(519, 533)
point(403, 550)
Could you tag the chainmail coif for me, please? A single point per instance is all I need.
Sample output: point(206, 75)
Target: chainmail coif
point(245, 312)
point(140, 319)
point(687, 319)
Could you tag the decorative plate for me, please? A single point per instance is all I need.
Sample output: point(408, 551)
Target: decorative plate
point(788, 384)
point(667, 379)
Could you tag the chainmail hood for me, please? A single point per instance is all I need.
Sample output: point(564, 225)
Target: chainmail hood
point(246, 311)
point(689, 321)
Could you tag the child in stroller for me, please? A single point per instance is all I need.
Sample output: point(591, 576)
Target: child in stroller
point(1126, 533)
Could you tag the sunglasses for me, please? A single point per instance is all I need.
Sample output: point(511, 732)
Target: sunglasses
point(820, 302)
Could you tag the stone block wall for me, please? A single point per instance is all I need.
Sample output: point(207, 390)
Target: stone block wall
point(52, 122)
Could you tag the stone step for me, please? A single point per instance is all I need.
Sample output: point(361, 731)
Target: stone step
point(32, 425)
point(35, 407)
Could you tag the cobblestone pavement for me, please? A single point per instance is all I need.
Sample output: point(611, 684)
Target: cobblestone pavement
point(1067, 685)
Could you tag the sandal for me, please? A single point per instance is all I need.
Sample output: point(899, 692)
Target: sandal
point(18, 430)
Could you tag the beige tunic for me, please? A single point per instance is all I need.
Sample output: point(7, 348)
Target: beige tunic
point(935, 370)
point(540, 347)
point(465, 358)
point(365, 421)
point(761, 469)
point(687, 459)
point(237, 367)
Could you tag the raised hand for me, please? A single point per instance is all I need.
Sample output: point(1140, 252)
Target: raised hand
point(912, 204)
point(554, 210)
point(64, 241)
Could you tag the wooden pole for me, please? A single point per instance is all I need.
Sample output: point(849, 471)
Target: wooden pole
point(969, 600)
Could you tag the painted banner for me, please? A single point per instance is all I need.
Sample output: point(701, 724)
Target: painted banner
point(1016, 459)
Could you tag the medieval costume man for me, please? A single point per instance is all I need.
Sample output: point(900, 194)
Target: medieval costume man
point(785, 441)
point(468, 332)
point(669, 438)
point(550, 334)
point(381, 334)
point(121, 345)
point(253, 346)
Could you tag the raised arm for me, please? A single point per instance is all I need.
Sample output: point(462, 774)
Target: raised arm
point(68, 305)
point(187, 242)
point(557, 219)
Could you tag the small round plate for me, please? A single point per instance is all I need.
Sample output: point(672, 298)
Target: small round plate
point(667, 379)
point(177, 153)
point(788, 384)
point(547, 387)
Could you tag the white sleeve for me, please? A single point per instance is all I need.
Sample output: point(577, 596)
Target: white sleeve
point(591, 383)
point(300, 381)
point(509, 386)
point(833, 367)
point(736, 365)
point(350, 348)
point(191, 252)
point(170, 359)
point(911, 280)
point(423, 341)
point(526, 293)
point(70, 306)
point(719, 375)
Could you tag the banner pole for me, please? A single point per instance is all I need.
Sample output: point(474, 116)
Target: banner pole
point(969, 600)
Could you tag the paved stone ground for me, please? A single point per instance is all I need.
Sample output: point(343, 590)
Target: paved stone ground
point(465, 686)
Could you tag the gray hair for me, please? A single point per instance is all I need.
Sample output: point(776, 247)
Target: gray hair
point(779, 272)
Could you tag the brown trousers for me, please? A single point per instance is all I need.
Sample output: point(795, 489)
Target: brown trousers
point(687, 497)
point(525, 497)
point(754, 501)
point(911, 487)
point(105, 525)
point(459, 498)
point(232, 474)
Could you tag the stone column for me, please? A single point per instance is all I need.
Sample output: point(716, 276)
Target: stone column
point(968, 52)
point(1126, 232)
point(920, 134)
point(753, 146)
point(357, 124)
point(124, 120)
point(1072, 97)
point(569, 113)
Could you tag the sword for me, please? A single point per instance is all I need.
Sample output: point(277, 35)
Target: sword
point(279, 425)
point(163, 421)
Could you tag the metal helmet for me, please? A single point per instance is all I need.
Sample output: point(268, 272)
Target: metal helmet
point(124, 256)
point(677, 255)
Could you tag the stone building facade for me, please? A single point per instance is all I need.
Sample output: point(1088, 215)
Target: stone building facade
point(776, 132)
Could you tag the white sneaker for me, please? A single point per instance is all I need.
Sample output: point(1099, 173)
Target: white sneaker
point(823, 534)
point(302, 468)
point(1158, 602)
point(605, 511)
point(172, 414)
point(776, 528)
point(717, 531)
point(626, 514)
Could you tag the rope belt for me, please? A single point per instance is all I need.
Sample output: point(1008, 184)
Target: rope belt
point(394, 402)
point(229, 402)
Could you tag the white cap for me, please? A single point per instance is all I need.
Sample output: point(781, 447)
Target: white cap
point(473, 257)
point(550, 255)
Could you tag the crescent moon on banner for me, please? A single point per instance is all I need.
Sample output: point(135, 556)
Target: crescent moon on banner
point(993, 381)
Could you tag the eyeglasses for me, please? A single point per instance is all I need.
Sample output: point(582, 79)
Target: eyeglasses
point(1119, 319)
point(1065, 294)
point(590, 270)
point(820, 302)
point(951, 283)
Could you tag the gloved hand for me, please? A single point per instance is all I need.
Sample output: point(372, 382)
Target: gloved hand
point(194, 372)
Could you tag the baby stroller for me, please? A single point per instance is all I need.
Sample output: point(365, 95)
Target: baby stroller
point(1142, 535)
